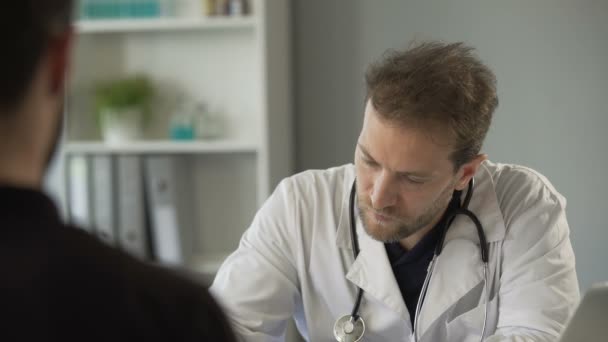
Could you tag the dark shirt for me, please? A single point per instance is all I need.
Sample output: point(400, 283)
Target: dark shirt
point(59, 283)
point(410, 267)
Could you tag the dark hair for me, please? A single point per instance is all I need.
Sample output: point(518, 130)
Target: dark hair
point(25, 29)
point(435, 84)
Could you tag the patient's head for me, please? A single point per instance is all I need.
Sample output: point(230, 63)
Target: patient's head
point(36, 37)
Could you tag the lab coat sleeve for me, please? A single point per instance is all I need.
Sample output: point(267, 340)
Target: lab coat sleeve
point(257, 285)
point(538, 285)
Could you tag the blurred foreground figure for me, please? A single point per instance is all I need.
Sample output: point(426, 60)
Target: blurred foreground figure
point(58, 283)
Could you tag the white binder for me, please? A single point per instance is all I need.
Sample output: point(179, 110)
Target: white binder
point(79, 196)
point(162, 195)
point(104, 220)
point(132, 235)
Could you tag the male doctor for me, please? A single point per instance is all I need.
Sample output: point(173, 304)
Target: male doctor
point(427, 112)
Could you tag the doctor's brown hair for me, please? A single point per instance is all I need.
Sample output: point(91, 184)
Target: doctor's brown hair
point(433, 84)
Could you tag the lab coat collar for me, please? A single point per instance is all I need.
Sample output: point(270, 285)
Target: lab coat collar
point(484, 205)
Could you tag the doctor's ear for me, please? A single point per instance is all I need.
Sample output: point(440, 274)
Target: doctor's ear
point(468, 170)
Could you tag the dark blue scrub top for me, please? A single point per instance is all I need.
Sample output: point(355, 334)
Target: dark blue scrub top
point(410, 267)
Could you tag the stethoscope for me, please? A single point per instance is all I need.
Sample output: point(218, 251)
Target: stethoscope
point(351, 328)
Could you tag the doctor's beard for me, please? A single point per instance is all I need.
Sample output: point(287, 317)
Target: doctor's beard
point(397, 227)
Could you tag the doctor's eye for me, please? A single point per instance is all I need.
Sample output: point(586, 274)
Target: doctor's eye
point(369, 162)
point(410, 180)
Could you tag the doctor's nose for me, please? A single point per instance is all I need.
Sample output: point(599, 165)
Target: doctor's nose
point(383, 192)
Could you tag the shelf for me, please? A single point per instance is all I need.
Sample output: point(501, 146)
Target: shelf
point(161, 147)
point(163, 24)
point(207, 264)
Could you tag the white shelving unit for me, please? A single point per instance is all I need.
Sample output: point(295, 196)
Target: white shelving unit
point(164, 24)
point(239, 67)
point(161, 147)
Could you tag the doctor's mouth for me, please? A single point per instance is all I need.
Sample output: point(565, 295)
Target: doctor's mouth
point(380, 218)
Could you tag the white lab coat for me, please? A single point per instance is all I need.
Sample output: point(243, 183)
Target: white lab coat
point(296, 261)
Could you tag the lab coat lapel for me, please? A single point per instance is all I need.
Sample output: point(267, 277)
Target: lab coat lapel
point(343, 231)
point(372, 272)
point(457, 271)
point(459, 268)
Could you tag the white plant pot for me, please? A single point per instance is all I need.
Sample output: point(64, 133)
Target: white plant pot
point(122, 125)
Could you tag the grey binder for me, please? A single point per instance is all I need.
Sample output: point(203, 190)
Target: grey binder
point(103, 201)
point(132, 235)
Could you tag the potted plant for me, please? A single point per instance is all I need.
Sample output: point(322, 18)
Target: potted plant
point(122, 107)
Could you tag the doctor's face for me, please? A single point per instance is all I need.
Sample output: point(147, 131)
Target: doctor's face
point(405, 178)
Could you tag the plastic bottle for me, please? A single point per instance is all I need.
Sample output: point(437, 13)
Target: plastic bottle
point(181, 124)
point(208, 125)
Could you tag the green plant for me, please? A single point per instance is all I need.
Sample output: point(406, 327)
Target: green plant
point(125, 93)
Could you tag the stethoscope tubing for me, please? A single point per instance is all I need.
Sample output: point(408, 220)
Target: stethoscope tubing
point(355, 243)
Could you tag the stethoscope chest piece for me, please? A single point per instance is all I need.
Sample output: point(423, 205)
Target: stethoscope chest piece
point(347, 329)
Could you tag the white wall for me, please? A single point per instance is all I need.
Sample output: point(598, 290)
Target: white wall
point(551, 61)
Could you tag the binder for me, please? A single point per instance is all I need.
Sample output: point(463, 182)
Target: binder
point(161, 190)
point(103, 202)
point(132, 234)
point(79, 196)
